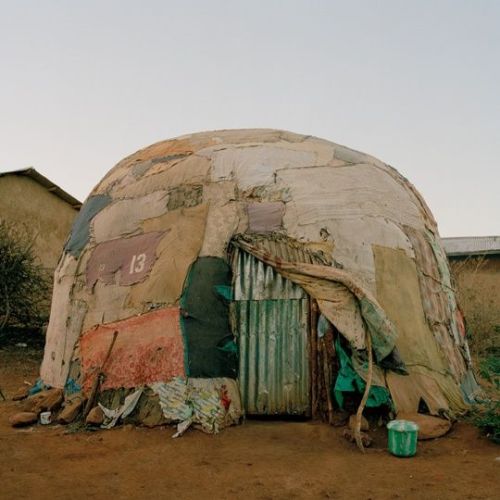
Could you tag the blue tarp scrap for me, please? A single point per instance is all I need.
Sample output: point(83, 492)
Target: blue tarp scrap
point(71, 387)
point(80, 232)
point(37, 387)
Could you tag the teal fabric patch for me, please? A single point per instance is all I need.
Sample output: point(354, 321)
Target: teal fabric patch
point(228, 345)
point(349, 381)
point(225, 291)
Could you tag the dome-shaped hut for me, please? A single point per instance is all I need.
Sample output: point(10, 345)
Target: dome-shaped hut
point(248, 270)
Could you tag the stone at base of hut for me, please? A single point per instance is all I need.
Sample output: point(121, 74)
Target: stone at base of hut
point(71, 410)
point(365, 438)
point(21, 393)
point(49, 400)
point(23, 418)
point(429, 427)
point(365, 426)
point(95, 416)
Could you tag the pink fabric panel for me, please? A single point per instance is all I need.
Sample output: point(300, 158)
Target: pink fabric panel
point(265, 217)
point(149, 348)
point(133, 257)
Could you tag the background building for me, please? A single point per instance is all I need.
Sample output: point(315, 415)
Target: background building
point(29, 198)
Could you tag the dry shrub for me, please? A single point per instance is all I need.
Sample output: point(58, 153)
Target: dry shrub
point(24, 284)
point(482, 316)
point(483, 331)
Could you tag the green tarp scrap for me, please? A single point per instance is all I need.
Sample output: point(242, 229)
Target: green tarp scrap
point(80, 231)
point(205, 320)
point(349, 381)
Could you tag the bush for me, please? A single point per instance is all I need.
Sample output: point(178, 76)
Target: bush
point(24, 285)
point(486, 414)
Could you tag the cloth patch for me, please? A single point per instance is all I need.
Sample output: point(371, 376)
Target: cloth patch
point(148, 349)
point(125, 260)
point(178, 249)
point(398, 291)
point(125, 217)
point(209, 403)
point(265, 217)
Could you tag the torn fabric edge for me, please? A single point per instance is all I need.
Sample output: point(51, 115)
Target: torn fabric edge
point(112, 416)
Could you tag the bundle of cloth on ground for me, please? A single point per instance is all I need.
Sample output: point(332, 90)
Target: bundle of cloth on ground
point(207, 404)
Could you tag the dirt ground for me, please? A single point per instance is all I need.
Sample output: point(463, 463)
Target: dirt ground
point(260, 459)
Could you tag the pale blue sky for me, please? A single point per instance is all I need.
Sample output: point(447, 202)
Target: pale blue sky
point(415, 83)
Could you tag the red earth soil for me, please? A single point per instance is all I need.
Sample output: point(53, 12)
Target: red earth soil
point(259, 459)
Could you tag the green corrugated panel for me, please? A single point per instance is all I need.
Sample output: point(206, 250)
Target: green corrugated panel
point(273, 343)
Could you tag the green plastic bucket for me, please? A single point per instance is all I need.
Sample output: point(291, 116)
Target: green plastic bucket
point(402, 440)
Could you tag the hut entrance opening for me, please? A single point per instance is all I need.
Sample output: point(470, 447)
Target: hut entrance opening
point(271, 317)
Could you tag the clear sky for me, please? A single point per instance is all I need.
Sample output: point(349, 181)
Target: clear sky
point(415, 83)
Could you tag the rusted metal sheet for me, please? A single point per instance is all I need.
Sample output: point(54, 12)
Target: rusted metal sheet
point(274, 368)
point(254, 280)
point(265, 217)
point(148, 349)
point(132, 257)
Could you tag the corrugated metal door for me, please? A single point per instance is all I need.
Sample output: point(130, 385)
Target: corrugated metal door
point(271, 324)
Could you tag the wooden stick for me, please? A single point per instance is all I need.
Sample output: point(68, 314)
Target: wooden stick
point(361, 407)
point(314, 357)
point(99, 378)
point(326, 374)
point(115, 334)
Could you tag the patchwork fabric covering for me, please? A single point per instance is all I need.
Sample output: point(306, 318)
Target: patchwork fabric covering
point(152, 256)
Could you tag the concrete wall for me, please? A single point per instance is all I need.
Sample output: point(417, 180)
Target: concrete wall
point(25, 201)
point(478, 283)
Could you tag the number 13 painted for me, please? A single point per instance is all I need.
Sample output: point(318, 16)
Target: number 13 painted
point(137, 263)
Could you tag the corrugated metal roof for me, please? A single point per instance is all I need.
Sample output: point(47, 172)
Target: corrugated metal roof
point(46, 183)
point(471, 245)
